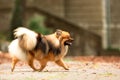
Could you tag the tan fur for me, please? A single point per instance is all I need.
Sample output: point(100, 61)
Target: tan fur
point(42, 57)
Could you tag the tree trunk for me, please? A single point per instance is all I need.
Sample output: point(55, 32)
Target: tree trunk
point(18, 16)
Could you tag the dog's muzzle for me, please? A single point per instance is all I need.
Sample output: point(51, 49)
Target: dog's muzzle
point(69, 42)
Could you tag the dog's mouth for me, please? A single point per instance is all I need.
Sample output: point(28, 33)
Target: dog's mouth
point(68, 42)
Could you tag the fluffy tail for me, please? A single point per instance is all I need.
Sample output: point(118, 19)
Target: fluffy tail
point(27, 38)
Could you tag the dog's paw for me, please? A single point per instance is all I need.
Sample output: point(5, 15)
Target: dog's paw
point(66, 68)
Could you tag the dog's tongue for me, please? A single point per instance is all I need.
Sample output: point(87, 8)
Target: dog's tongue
point(68, 43)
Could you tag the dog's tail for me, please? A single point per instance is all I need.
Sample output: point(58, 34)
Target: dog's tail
point(27, 38)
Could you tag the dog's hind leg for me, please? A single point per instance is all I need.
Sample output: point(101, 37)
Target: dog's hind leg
point(43, 64)
point(14, 61)
point(30, 63)
point(62, 64)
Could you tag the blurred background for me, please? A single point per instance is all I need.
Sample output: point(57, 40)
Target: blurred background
point(94, 24)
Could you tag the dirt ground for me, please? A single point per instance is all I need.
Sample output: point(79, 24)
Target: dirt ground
point(81, 68)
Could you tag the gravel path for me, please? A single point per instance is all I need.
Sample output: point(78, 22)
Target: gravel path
point(78, 71)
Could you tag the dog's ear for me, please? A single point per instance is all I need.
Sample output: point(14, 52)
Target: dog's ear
point(58, 33)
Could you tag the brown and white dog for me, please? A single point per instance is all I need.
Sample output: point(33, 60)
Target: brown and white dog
point(30, 45)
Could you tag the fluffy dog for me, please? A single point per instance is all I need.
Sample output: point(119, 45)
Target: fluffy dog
point(30, 45)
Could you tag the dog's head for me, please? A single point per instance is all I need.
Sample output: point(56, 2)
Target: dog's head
point(64, 37)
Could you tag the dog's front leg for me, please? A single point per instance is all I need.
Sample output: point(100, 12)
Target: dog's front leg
point(62, 64)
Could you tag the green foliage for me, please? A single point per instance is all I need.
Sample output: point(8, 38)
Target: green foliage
point(3, 35)
point(37, 24)
point(113, 49)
